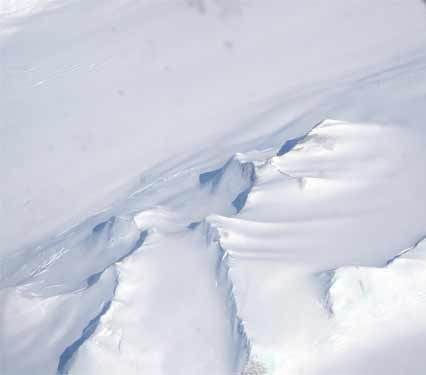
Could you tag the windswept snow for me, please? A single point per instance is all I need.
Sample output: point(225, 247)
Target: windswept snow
point(333, 199)
point(96, 92)
point(196, 285)
point(287, 237)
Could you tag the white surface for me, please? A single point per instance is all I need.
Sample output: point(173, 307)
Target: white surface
point(95, 92)
point(250, 257)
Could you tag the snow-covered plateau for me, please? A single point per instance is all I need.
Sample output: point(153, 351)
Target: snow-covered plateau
point(212, 187)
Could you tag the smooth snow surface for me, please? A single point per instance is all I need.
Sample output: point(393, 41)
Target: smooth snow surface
point(287, 238)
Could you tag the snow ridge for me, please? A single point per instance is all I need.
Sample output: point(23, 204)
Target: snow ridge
point(243, 228)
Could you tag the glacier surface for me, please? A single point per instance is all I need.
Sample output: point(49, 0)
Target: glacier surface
point(291, 242)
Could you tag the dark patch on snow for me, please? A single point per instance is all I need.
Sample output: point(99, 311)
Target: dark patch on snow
point(325, 280)
point(252, 172)
point(206, 177)
point(194, 225)
point(245, 170)
point(136, 246)
point(93, 279)
point(289, 145)
point(68, 353)
point(215, 176)
point(241, 200)
point(417, 243)
point(100, 227)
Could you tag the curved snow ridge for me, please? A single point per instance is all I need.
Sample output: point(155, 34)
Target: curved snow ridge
point(316, 206)
point(264, 308)
point(251, 294)
point(339, 181)
point(160, 219)
point(337, 150)
point(237, 238)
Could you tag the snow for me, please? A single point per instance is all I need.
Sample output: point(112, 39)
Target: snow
point(255, 177)
point(391, 299)
point(163, 320)
point(94, 93)
point(36, 329)
point(320, 206)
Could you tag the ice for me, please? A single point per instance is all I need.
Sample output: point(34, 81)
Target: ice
point(192, 284)
point(95, 93)
point(255, 174)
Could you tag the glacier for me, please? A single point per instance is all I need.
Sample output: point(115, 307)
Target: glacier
point(277, 225)
point(195, 284)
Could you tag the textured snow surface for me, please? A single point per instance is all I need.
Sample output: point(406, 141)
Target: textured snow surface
point(288, 238)
point(297, 276)
point(95, 92)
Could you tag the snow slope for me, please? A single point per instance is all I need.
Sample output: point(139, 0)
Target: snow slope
point(96, 92)
point(293, 243)
point(334, 199)
point(231, 270)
